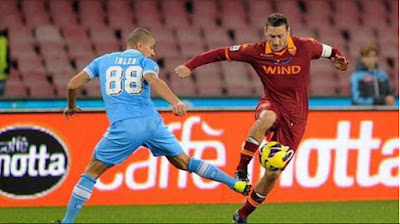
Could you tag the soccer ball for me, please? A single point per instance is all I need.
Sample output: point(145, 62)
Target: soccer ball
point(274, 156)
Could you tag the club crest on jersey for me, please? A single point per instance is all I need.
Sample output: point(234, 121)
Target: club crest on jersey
point(234, 47)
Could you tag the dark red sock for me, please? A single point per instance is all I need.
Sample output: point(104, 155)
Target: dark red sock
point(246, 155)
point(251, 204)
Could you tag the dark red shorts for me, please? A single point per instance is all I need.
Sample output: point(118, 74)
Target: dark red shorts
point(284, 130)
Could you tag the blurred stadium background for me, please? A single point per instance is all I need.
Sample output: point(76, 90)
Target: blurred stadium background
point(51, 40)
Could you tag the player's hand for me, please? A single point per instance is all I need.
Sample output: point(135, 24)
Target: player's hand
point(70, 112)
point(179, 109)
point(340, 62)
point(182, 71)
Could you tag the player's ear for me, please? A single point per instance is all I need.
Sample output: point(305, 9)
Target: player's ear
point(140, 45)
point(288, 31)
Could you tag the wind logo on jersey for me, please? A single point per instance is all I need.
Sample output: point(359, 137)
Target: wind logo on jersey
point(282, 70)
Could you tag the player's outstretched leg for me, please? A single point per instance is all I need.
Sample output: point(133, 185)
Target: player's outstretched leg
point(81, 193)
point(211, 172)
point(184, 162)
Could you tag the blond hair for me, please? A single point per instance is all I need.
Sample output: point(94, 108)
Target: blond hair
point(138, 35)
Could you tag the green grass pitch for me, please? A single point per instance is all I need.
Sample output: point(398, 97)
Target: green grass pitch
point(329, 212)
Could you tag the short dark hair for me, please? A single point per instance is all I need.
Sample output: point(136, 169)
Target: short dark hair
point(277, 19)
point(137, 35)
point(367, 48)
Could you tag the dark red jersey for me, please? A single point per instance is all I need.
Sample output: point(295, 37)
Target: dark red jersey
point(284, 75)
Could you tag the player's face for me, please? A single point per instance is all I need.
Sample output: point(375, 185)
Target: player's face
point(148, 47)
point(370, 60)
point(277, 36)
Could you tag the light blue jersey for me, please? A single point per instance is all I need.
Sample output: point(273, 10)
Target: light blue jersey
point(125, 92)
point(134, 121)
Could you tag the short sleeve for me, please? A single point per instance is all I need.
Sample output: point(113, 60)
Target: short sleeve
point(150, 66)
point(238, 53)
point(93, 68)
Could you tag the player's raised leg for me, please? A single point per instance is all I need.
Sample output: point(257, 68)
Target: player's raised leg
point(83, 189)
point(164, 143)
point(206, 170)
point(265, 120)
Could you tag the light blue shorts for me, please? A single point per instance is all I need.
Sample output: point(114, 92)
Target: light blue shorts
point(124, 137)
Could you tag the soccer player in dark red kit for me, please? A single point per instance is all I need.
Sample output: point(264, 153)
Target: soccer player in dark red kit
point(283, 64)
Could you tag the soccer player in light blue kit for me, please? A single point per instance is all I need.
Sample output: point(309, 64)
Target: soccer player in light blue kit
point(126, 78)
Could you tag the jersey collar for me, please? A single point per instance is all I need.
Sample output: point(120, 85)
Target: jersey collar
point(132, 51)
point(291, 47)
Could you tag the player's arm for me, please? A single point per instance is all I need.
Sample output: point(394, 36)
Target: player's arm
point(214, 55)
point(90, 72)
point(74, 84)
point(320, 50)
point(233, 53)
point(162, 89)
